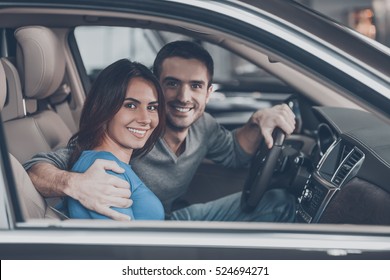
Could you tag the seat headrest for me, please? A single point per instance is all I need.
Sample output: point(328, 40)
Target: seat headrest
point(3, 87)
point(40, 61)
point(14, 107)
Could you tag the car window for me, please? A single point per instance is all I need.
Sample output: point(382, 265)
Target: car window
point(100, 45)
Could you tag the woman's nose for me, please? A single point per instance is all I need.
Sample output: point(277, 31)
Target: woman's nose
point(143, 116)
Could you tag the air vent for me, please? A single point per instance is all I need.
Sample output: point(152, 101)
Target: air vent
point(347, 166)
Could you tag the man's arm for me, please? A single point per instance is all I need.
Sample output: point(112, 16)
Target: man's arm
point(95, 189)
point(52, 183)
point(262, 123)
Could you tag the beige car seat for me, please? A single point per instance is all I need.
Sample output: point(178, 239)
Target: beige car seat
point(32, 204)
point(41, 68)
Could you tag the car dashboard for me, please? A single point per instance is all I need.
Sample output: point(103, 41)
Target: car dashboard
point(350, 183)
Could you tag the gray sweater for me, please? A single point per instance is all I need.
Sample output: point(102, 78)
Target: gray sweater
point(167, 175)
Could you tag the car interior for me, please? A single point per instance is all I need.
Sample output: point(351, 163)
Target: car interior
point(337, 167)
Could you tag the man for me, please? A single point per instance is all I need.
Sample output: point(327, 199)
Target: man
point(185, 71)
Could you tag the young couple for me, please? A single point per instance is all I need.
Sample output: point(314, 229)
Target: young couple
point(128, 125)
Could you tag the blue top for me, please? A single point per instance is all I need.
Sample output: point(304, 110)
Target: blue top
point(146, 205)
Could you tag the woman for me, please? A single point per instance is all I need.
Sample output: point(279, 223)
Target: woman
point(123, 116)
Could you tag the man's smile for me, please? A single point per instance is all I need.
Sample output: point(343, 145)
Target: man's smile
point(181, 108)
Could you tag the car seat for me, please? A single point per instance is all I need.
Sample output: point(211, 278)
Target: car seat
point(32, 204)
point(30, 127)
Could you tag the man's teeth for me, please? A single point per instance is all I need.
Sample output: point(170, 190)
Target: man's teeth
point(142, 132)
point(183, 110)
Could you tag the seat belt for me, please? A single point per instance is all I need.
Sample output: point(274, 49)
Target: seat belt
point(59, 102)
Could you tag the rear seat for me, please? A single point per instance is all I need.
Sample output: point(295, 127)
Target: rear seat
point(33, 206)
point(41, 66)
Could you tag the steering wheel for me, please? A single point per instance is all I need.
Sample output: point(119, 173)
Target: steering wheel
point(261, 171)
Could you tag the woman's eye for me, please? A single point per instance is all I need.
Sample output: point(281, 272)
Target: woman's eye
point(130, 105)
point(152, 107)
point(171, 84)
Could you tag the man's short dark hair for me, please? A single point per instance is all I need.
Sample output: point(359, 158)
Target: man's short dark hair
point(186, 50)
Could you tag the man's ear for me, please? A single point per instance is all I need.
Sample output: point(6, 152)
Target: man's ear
point(209, 92)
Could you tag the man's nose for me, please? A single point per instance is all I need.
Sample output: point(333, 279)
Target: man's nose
point(184, 93)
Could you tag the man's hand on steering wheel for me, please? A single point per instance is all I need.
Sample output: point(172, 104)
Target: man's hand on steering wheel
point(274, 124)
point(268, 119)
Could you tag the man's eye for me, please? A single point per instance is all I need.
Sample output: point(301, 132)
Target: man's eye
point(197, 86)
point(130, 105)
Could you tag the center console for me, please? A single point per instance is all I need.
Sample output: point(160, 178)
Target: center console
point(338, 165)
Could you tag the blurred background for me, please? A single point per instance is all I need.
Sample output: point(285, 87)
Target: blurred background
point(369, 17)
